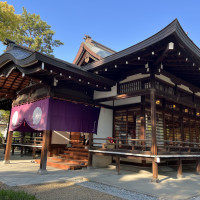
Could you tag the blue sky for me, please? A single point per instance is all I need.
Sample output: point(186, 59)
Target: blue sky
point(117, 24)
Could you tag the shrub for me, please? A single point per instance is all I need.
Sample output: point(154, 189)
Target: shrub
point(15, 195)
point(1, 136)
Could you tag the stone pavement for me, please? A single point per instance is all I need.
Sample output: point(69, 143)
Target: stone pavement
point(22, 171)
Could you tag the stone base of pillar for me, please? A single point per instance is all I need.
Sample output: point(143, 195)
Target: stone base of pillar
point(153, 180)
point(90, 167)
point(42, 172)
point(6, 162)
point(179, 176)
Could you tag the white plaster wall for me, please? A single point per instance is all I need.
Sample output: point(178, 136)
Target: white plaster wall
point(134, 77)
point(184, 88)
point(99, 95)
point(165, 78)
point(105, 124)
point(198, 93)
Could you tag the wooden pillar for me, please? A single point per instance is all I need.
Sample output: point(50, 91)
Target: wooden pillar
point(198, 166)
point(173, 124)
point(118, 164)
point(142, 126)
point(153, 122)
point(117, 158)
point(155, 172)
point(34, 148)
point(22, 142)
point(142, 119)
point(179, 171)
point(8, 147)
point(153, 127)
point(44, 152)
point(182, 125)
point(90, 153)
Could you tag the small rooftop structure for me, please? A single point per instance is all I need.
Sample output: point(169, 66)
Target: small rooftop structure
point(90, 51)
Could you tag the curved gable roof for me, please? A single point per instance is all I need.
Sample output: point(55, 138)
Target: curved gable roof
point(93, 49)
point(173, 29)
point(30, 62)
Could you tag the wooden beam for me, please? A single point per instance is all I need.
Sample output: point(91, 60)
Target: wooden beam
point(179, 81)
point(8, 147)
point(5, 91)
point(162, 56)
point(44, 152)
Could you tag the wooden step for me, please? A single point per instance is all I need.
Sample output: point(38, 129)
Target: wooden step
point(76, 153)
point(77, 149)
point(74, 157)
point(64, 160)
point(78, 145)
point(63, 166)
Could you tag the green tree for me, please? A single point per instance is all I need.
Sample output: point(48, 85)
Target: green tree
point(9, 21)
point(4, 116)
point(29, 30)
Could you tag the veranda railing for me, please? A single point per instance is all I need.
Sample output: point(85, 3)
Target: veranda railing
point(164, 146)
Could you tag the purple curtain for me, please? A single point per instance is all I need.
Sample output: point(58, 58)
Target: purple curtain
point(31, 116)
point(50, 114)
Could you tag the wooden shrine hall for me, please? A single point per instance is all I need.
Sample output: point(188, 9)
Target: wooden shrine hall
point(139, 105)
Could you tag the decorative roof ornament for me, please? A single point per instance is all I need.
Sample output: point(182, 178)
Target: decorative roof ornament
point(88, 38)
point(9, 43)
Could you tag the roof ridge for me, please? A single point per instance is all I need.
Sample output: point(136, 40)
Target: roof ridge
point(172, 28)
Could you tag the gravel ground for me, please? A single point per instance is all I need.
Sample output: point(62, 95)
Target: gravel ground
point(124, 194)
point(83, 190)
point(62, 191)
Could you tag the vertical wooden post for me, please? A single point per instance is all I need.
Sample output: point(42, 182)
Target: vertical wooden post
point(182, 125)
point(142, 119)
point(143, 126)
point(34, 148)
point(173, 124)
point(153, 122)
point(164, 123)
point(117, 158)
point(118, 164)
point(153, 126)
point(198, 166)
point(44, 152)
point(8, 147)
point(22, 142)
point(155, 172)
point(90, 153)
point(179, 172)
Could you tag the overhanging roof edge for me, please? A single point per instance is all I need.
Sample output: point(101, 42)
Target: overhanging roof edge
point(174, 28)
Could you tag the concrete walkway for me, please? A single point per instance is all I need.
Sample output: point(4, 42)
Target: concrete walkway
point(136, 179)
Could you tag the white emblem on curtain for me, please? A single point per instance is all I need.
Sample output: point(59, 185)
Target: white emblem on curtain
point(37, 115)
point(15, 118)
